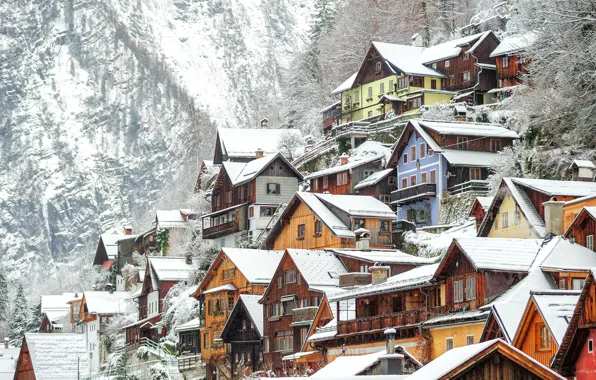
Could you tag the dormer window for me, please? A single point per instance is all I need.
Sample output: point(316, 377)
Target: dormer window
point(378, 67)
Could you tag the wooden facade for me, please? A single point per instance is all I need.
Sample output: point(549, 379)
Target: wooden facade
point(331, 183)
point(528, 337)
point(477, 212)
point(381, 190)
point(510, 69)
point(24, 370)
point(583, 226)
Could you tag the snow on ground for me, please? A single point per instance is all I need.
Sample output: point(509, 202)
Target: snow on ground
point(427, 244)
point(8, 359)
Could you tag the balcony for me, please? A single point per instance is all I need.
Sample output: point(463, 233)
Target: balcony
point(414, 193)
point(476, 186)
point(303, 316)
point(380, 323)
point(221, 230)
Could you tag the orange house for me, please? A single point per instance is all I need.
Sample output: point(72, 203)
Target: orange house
point(544, 323)
point(234, 271)
point(318, 221)
point(571, 209)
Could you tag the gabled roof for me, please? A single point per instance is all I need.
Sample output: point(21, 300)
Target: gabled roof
point(346, 85)
point(405, 58)
point(483, 202)
point(452, 48)
point(354, 162)
point(57, 356)
point(318, 268)
point(243, 143)
point(110, 244)
point(468, 129)
point(106, 303)
point(469, 158)
point(585, 212)
point(461, 359)
point(169, 219)
point(250, 304)
point(169, 268)
point(570, 257)
point(58, 302)
point(385, 256)
point(561, 188)
point(374, 178)
point(358, 205)
point(514, 43)
point(583, 164)
point(243, 172)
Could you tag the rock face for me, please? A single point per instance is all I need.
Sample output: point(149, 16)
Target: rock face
point(104, 103)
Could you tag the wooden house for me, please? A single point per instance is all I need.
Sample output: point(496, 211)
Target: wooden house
point(342, 179)
point(246, 198)
point(56, 312)
point(544, 323)
point(107, 249)
point(189, 337)
point(146, 242)
point(161, 274)
point(293, 298)
point(583, 226)
point(243, 331)
point(52, 356)
point(240, 144)
point(568, 263)
point(331, 116)
point(234, 272)
point(576, 358)
point(531, 208)
point(582, 170)
point(438, 159)
point(318, 221)
point(378, 185)
point(126, 247)
point(207, 176)
point(479, 208)
point(493, 359)
point(74, 316)
point(511, 62)
point(359, 261)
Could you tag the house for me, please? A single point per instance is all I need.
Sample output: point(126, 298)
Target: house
point(126, 247)
point(234, 272)
point(244, 332)
point(107, 249)
point(301, 280)
point(56, 311)
point(240, 144)
point(575, 357)
point(568, 263)
point(378, 185)
point(479, 208)
point(582, 229)
point(318, 221)
point(161, 274)
point(531, 208)
point(544, 323)
point(582, 170)
point(438, 159)
point(493, 359)
point(331, 116)
point(511, 62)
point(399, 79)
point(97, 308)
point(146, 242)
point(189, 337)
point(74, 314)
point(342, 179)
point(171, 228)
point(356, 260)
point(52, 357)
point(246, 197)
point(207, 176)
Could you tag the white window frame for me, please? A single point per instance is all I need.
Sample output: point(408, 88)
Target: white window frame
point(590, 242)
point(458, 290)
point(447, 63)
point(505, 61)
point(590, 344)
point(468, 337)
point(447, 340)
point(470, 284)
point(505, 220)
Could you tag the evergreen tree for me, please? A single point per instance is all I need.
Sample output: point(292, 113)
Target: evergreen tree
point(322, 19)
point(3, 298)
point(19, 315)
point(35, 319)
point(122, 370)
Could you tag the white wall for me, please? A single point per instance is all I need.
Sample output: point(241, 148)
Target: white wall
point(92, 333)
point(153, 303)
point(119, 283)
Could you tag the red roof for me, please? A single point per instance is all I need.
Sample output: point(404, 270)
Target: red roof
point(107, 265)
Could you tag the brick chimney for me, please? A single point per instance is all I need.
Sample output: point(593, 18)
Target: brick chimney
point(553, 217)
point(259, 153)
point(343, 159)
point(379, 273)
point(362, 239)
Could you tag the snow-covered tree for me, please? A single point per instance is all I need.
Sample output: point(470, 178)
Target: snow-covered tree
point(288, 143)
point(34, 321)
point(19, 314)
point(3, 298)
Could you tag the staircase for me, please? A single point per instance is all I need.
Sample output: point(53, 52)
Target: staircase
point(260, 240)
point(223, 366)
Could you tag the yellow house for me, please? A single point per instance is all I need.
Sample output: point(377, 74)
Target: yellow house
point(452, 331)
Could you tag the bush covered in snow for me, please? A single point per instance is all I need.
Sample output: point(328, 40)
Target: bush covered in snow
point(426, 244)
point(180, 308)
point(158, 372)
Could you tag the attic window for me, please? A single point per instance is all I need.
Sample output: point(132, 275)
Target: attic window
point(543, 337)
point(378, 67)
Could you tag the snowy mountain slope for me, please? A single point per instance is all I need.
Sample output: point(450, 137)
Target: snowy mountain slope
point(104, 102)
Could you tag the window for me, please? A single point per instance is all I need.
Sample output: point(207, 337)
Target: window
point(413, 153)
point(314, 183)
point(370, 92)
point(267, 211)
point(356, 97)
point(496, 222)
point(433, 84)
point(577, 283)
point(448, 344)
point(273, 188)
point(248, 358)
point(318, 228)
point(303, 335)
point(590, 346)
point(342, 179)
point(418, 81)
point(413, 180)
point(391, 180)
point(241, 190)
point(447, 63)
point(470, 288)
point(289, 276)
point(590, 242)
point(228, 273)
point(469, 340)
point(451, 80)
point(206, 340)
point(378, 67)
point(434, 65)
point(301, 231)
point(229, 197)
point(325, 182)
point(475, 174)
point(517, 217)
point(230, 303)
point(466, 76)
point(370, 114)
point(505, 219)
point(495, 145)
point(466, 56)
point(404, 183)
point(433, 176)
point(391, 85)
point(381, 88)
point(422, 150)
point(505, 60)
point(430, 152)
point(458, 291)
point(358, 223)
point(462, 143)
point(402, 82)
point(364, 268)
point(562, 284)
point(251, 190)
point(405, 158)
point(423, 177)
point(274, 309)
point(543, 335)
point(384, 226)
point(266, 344)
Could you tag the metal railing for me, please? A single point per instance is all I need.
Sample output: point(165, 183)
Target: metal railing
point(474, 185)
point(413, 193)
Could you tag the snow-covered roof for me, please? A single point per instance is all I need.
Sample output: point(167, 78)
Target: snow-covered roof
point(452, 48)
point(58, 302)
point(169, 219)
point(416, 277)
point(106, 303)
point(348, 366)
point(55, 315)
point(407, 58)
point(170, 268)
point(554, 187)
point(243, 172)
point(222, 288)
point(359, 205)
point(526, 206)
point(327, 216)
point(58, 356)
point(373, 179)
point(485, 202)
point(192, 325)
point(514, 43)
point(255, 309)
point(468, 129)
point(568, 256)
point(469, 157)
point(257, 265)
point(556, 308)
point(390, 256)
point(330, 106)
point(110, 243)
point(317, 267)
point(353, 162)
point(244, 142)
point(474, 315)
point(583, 164)
point(346, 85)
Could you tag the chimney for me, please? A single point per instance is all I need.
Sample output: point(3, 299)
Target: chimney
point(379, 273)
point(417, 40)
point(128, 230)
point(553, 217)
point(362, 239)
point(343, 159)
point(188, 260)
point(264, 123)
point(391, 363)
point(259, 153)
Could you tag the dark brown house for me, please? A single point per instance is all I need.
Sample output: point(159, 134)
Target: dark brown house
point(379, 185)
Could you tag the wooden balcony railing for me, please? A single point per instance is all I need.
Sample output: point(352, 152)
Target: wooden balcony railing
point(414, 193)
point(476, 185)
point(221, 230)
point(381, 322)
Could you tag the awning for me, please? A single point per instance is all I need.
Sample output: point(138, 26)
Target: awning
point(221, 288)
point(463, 95)
point(299, 355)
point(288, 297)
point(390, 98)
point(223, 211)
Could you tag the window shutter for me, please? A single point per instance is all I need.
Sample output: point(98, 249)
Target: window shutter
point(277, 188)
